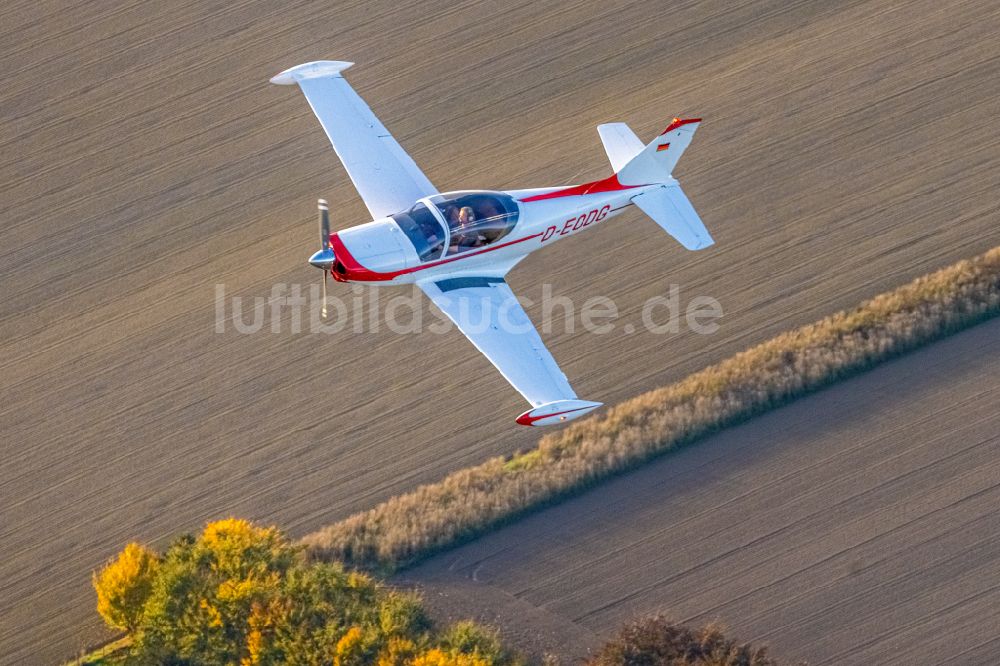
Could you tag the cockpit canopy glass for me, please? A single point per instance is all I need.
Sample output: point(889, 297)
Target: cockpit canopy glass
point(476, 219)
point(424, 231)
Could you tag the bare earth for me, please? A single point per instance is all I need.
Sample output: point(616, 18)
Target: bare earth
point(847, 147)
point(856, 526)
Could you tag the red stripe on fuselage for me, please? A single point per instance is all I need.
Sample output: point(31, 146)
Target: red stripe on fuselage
point(610, 184)
point(355, 272)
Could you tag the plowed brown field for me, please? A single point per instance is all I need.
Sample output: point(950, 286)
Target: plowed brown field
point(847, 147)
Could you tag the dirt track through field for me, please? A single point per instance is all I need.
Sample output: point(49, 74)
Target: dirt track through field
point(856, 526)
point(847, 147)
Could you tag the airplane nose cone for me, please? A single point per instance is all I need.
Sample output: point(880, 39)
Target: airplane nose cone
point(323, 259)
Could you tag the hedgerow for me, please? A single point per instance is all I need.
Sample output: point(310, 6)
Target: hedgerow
point(470, 501)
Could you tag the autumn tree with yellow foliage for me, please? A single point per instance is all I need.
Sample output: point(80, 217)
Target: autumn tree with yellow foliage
point(243, 594)
point(124, 585)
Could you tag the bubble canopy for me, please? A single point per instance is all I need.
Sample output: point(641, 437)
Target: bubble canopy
point(459, 222)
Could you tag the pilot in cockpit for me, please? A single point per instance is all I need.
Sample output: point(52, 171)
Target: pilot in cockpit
point(464, 236)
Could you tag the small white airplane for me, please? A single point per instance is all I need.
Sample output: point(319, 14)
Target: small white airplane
point(458, 246)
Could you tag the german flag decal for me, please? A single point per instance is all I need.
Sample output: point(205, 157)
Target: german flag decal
point(663, 146)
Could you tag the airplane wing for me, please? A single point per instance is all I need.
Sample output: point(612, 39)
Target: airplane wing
point(385, 176)
point(489, 314)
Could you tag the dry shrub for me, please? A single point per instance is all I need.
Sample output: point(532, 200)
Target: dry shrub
point(656, 641)
point(469, 501)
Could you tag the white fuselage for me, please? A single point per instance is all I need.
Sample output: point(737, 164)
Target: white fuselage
point(380, 253)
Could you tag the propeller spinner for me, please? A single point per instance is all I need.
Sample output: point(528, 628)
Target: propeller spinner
point(324, 258)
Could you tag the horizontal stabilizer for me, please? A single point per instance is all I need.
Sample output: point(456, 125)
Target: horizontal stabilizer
point(670, 209)
point(559, 411)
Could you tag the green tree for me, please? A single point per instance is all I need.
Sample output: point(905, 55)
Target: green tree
point(207, 590)
point(468, 638)
point(243, 594)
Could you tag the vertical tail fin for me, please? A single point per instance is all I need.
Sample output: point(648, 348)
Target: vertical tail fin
point(653, 164)
point(637, 165)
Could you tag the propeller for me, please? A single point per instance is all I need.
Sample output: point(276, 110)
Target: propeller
point(324, 258)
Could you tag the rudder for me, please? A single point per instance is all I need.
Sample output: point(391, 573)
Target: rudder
point(657, 160)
